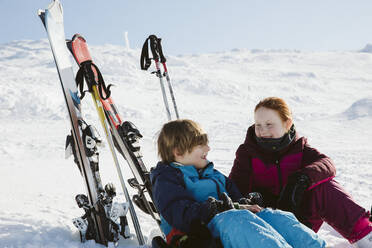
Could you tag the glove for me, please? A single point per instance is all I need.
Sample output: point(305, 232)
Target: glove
point(292, 194)
point(214, 206)
point(227, 203)
point(254, 198)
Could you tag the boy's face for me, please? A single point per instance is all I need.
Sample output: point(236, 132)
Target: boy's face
point(197, 157)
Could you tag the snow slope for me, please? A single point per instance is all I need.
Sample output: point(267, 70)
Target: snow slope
point(330, 94)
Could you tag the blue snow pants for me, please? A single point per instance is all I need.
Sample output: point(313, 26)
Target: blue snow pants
point(268, 228)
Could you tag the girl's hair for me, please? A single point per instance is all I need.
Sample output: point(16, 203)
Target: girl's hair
point(182, 135)
point(277, 104)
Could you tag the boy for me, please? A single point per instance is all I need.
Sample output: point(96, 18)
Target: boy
point(195, 201)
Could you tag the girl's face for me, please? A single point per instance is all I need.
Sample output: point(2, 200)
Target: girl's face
point(268, 123)
point(197, 157)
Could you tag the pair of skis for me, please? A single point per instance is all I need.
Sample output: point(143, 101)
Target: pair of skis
point(101, 97)
point(95, 222)
point(103, 220)
point(158, 57)
point(121, 134)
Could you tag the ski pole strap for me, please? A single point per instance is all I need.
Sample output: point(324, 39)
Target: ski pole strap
point(145, 61)
point(102, 86)
point(79, 79)
point(86, 71)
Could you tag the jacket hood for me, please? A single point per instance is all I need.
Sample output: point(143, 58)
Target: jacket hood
point(164, 168)
point(158, 170)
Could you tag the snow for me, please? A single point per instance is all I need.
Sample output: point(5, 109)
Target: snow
point(330, 94)
point(359, 109)
point(367, 49)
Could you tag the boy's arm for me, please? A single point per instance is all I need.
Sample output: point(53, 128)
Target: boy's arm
point(176, 205)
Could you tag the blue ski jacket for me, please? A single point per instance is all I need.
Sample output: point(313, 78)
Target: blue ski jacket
point(179, 192)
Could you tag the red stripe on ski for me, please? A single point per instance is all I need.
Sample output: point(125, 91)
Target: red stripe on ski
point(81, 53)
point(79, 44)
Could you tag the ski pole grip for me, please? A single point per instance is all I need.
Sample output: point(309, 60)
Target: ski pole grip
point(154, 47)
point(160, 49)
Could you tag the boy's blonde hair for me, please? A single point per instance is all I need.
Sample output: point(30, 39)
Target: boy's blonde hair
point(181, 136)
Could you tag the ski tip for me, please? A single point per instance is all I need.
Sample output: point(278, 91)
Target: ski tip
point(41, 14)
point(59, 5)
point(57, 2)
point(78, 36)
point(54, 6)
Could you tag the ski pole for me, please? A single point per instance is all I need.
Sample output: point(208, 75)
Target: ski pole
point(166, 74)
point(153, 45)
point(158, 57)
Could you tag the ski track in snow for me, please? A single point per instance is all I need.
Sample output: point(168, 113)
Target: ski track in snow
point(330, 94)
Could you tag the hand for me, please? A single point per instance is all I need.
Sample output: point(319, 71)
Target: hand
point(254, 198)
point(252, 208)
point(292, 194)
point(214, 206)
point(227, 203)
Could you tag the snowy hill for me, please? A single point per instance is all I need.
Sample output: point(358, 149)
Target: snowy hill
point(330, 94)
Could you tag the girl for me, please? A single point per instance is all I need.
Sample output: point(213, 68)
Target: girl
point(293, 176)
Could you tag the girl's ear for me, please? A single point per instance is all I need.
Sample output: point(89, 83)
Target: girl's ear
point(288, 124)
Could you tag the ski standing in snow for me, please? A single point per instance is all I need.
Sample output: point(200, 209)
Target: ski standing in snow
point(104, 219)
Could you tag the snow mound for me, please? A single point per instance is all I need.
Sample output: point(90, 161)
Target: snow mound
point(366, 49)
point(359, 109)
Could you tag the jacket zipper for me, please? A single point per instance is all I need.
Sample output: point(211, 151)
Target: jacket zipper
point(279, 175)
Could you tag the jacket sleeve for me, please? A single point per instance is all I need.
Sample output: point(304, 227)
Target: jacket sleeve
point(175, 204)
point(232, 190)
point(317, 166)
point(241, 172)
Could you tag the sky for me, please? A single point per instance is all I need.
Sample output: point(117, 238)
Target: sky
point(194, 27)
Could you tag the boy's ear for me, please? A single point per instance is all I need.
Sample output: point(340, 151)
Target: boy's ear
point(176, 153)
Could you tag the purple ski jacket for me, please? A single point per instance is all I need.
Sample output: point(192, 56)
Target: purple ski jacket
point(258, 170)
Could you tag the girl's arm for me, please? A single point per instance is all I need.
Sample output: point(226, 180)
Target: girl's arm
point(232, 190)
point(317, 166)
point(241, 171)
